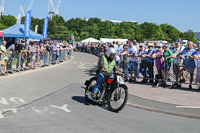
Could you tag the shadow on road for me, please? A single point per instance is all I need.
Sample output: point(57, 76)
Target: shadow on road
point(91, 72)
point(82, 100)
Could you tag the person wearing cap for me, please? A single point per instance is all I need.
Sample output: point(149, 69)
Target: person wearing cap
point(143, 67)
point(178, 48)
point(167, 54)
point(173, 47)
point(159, 62)
point(189, 62)
point(150, 62)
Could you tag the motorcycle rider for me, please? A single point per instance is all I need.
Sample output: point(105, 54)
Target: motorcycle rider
point(106, 66)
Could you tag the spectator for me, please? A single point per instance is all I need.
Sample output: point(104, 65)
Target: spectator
point(189, 62)
point(33, 54)
point(178, 49)
point(143, 65)
point(197, 56)
point(46, 53)
point(22, 54)
point(167, 54)
point(125, 63)
point(132, 50)
point(4, 55)
point(54, 53)
point(150, 62)
point(159, 62)
point(41, 50)
point(28, 53)
point(172, 48)
point(70, 50)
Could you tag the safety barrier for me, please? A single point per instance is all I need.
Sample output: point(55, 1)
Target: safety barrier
point(147, 70)
point(17, 62)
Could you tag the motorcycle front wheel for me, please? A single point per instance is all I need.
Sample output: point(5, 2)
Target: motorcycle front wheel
point(117, 98)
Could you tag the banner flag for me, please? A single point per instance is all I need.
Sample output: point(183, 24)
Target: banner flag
point(27, 24)
point(45, 27)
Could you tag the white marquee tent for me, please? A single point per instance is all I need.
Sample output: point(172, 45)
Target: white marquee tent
point(105, 40)
point(90, 40)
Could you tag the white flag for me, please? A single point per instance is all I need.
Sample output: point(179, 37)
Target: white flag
point(19, 19)
point(36, 28)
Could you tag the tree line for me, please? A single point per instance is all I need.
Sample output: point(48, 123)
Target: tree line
point(96, 28)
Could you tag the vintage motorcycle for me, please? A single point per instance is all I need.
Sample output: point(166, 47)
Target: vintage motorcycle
point(113, 92)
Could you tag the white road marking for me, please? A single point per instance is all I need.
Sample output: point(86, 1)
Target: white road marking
point(1, 115)
point(4, 101)
point(40, 110)
point(189, 107)
point(82, 66)
point(13, 110)
point(64, 107)
point(17, 100)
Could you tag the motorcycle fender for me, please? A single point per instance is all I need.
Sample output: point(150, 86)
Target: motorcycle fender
point(121, 85)
point(124, 86)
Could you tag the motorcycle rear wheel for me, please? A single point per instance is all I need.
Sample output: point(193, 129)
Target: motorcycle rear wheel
point(89, 88)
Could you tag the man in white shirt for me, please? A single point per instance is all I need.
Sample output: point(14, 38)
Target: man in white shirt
point(115, 46)
point(132, 51)
point(178, 48)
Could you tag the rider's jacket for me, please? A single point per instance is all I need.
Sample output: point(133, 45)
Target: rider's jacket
point(105, 65)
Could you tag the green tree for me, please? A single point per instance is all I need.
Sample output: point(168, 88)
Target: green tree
point(8, 20)
point(171, 33)
point(152, 31)
point(189, 35)
point(84, 35)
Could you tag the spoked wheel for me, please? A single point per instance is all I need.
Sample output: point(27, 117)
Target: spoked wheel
point(89, 88)
point(117, 98)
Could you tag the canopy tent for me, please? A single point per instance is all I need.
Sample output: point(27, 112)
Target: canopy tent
point(105, 40)
point(90, 40)
point(17, 31)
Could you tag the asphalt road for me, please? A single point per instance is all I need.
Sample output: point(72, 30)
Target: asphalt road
point(51, 100)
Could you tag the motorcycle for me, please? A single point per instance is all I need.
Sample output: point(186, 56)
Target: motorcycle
point(113, 92)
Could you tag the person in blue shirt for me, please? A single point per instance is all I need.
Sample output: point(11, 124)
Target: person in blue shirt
point(189, 62)
point(172, 48)
point(150, 62)
point(54, 53)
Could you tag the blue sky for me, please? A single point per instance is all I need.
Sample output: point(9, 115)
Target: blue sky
point(183, 14)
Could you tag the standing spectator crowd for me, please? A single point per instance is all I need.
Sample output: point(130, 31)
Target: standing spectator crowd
point(156, 63)
point(29, 55)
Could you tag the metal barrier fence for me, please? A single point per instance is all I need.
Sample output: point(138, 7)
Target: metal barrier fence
point(17, 62)
point(147, 70)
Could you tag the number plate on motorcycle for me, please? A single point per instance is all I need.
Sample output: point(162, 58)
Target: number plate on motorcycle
point(120, 80)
